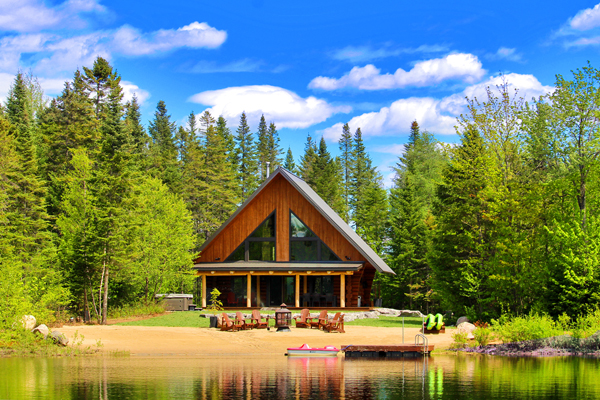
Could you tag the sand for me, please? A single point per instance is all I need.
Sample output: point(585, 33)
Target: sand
point(165, 341)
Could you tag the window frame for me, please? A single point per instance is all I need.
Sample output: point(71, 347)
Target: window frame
point(316, 238)
point(249, 238)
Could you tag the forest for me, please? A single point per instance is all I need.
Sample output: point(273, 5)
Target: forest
point(98, 212)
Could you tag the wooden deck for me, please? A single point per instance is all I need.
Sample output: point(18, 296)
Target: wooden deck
point(387, 351)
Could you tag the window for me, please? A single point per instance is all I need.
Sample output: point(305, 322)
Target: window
point(260, 245)
point(305, 245)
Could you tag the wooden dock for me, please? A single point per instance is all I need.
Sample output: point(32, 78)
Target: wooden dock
point(387, 351)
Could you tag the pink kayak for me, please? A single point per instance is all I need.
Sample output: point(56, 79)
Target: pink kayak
point(307, 351)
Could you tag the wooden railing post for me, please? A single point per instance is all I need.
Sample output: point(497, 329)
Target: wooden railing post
point(249, 291)
point(203, 291)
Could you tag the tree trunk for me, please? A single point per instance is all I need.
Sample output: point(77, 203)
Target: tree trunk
point(105, 301)
point(86, 306)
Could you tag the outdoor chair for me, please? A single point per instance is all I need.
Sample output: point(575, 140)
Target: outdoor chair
point(318, 322)
point(301, 320)
point(228, 325)
point(336, 324)
point(239, 318)
point(257, 320)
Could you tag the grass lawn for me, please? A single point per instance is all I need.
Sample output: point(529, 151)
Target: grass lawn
point(193, 320)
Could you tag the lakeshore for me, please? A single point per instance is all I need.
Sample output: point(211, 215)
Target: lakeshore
point(168, 341)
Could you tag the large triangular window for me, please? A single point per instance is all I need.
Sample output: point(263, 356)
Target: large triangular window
point(260, 245)
point(305, 245)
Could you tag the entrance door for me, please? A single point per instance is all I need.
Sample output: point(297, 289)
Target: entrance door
point(274, 291)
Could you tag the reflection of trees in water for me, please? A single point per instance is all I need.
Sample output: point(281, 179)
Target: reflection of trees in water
point(271, 377)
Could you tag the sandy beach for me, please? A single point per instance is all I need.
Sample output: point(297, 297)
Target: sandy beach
point(156, 341)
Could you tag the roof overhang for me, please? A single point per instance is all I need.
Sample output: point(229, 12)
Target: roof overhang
point(276, 266)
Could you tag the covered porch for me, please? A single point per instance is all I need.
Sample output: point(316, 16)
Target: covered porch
point(250, 285)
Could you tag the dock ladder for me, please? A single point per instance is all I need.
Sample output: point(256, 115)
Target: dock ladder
point(425, 342)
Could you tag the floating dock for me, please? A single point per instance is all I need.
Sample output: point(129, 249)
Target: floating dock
point(387, 351)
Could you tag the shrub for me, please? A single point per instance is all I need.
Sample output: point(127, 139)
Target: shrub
point(136, 310)
point(460, 340)
point(529, 327)
point(483, 335)
point(587, 324)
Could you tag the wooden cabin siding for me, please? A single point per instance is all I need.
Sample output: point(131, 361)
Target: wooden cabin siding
point(281, 196)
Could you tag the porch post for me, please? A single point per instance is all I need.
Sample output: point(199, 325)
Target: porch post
point(297, 290)
point(248, 291)
point(203, 291)
point(258, 290)
point(342, 290)
point(305, 283)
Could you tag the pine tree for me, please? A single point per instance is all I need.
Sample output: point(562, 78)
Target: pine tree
point(136, 134)
point(163, 149)
point(326, 178)
point(289, 163)
point(262, 147)
point(247, 161)
point(274, 150)
point(308, 160)
point(346, 148)
point(228, 140)
point(461, 245)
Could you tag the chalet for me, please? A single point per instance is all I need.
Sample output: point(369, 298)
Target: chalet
point(286, 245)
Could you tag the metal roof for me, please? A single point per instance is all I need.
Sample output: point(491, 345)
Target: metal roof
point(326, 211)
point(277, 266)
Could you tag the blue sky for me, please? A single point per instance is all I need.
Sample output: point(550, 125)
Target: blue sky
point(308, 66)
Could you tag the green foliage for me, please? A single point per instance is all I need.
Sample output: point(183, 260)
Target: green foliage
point(511, 329)
point(136, 310)
point(483, 336)
point(246, 160)
point(215, 304)
point(460, 340)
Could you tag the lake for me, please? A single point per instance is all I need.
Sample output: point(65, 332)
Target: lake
point(438, 377)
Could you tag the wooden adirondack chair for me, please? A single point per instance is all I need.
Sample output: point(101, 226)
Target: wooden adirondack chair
point(336, 324)
point(228, 325)
point(301, 320)
point(239, 319)
point(257, 320)
point(320, 322)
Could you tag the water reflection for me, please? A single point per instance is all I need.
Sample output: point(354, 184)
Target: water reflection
point(439, 377)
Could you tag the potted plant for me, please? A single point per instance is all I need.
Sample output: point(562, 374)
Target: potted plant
point(215, 306)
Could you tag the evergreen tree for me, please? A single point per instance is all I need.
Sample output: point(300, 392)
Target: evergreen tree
point(308, 160)
point(225, 133)
point(461, 240)
point(326, 178)
point(247, 161)
point(289, 163)
point(262, 147)
point(274, 150)
point(134, 130)
point(163, 149)
point(346, 159)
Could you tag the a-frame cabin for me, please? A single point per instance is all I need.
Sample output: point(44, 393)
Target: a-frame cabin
point(286, 245)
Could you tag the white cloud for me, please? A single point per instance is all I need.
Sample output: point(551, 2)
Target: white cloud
point(34, 15)
point(285, 108)
point(586, 19)
point(435, 115)
point(245, 65)
point(130, 41)
point(466, 67)
point(57, 54)
point(130, 88)
point(394, 148)
point(505, 53)
point(355, 54)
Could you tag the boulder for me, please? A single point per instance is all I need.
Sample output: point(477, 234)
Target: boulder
point(387, 311)
point(461, 320)
point(466, 327)
point(410, 313)
point(29, 322)
point(41, 330)
point(59, 338)
point(371, 314)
